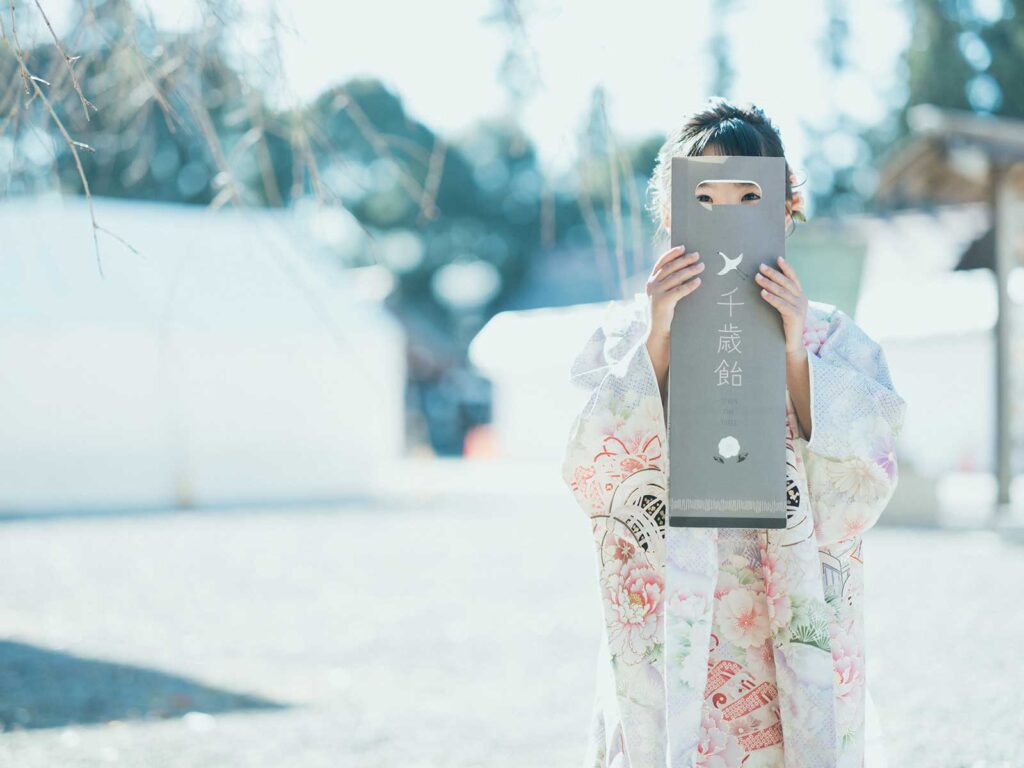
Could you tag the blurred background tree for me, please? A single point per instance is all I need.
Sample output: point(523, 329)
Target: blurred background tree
point(123, 108)
point(963, 54)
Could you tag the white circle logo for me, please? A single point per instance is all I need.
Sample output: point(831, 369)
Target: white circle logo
point(728, 447)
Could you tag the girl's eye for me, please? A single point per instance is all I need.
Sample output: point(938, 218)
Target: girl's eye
point(704, 198)
point(755, 196)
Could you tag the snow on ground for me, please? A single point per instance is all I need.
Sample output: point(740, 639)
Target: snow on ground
point(448, 627)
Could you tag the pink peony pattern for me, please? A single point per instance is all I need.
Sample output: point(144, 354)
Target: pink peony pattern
point(815, 333)
point(744, 617)
point(779, 605)
point(727, 582)
point(858, 478)
point(849, 680)
point(761, 661)
point(635, 592)
point(686, 606)
point(718, 748)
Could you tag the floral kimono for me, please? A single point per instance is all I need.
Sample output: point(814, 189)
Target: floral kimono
point(732, 646)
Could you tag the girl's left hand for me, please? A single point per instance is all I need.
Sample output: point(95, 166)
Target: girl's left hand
point(782, 290)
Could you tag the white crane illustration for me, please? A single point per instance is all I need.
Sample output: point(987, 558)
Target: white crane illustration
point(730, 264)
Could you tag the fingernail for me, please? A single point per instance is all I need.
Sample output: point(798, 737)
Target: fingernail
point(782, 258)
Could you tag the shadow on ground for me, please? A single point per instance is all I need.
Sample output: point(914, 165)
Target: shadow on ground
point(48, 689)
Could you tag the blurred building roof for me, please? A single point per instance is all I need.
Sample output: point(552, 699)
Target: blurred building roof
point(949, 157)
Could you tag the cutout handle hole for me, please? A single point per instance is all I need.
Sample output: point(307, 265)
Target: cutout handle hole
point(712, 192)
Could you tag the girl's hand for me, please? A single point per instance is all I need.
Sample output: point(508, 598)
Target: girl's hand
point(782, 290)
point(668, 283)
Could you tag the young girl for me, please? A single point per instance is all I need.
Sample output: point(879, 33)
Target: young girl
point(733, 646)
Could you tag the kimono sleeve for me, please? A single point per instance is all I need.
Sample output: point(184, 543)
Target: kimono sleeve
point(614, 467)
point(856, 417)
point(617, 432)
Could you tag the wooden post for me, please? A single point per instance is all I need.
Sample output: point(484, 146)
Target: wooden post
point(1003, 199)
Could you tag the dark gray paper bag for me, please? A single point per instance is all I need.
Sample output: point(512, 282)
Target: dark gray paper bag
point(727, 371)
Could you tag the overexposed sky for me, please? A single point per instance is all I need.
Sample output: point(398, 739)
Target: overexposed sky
point(652, 59)
point(442, 58)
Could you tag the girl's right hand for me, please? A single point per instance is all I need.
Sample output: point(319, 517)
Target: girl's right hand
point(670, 281)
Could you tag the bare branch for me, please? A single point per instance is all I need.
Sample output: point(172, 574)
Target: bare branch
point(428, 209)
point(616, 204)
point(592, 223)
point(68, 61)
point(33, 84)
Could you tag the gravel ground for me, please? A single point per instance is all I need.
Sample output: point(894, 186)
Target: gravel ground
point(460, 631)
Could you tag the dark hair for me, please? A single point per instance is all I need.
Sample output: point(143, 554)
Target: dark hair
point(726, 128)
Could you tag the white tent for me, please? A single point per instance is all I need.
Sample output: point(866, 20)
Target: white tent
point(528, 354)
point(221, 364)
